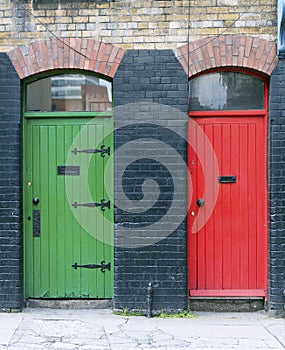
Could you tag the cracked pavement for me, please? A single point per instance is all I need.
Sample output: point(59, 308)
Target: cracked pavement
point(102, 330)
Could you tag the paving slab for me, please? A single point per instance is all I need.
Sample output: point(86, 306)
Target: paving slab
point(9, 323)
point(103, 330)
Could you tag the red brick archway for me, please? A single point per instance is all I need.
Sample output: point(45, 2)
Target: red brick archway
point(228, 51)
point(71, 53)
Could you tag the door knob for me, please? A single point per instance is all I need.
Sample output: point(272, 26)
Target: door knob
point(200, 202)
point(36, 201)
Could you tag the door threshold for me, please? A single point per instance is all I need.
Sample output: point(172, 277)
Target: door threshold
point(229, 298)
point(226, 304)
point(72, 304)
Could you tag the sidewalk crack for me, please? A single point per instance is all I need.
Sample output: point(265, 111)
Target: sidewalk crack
point(274, 336)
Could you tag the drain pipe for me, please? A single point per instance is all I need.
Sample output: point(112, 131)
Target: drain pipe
point(149, 300)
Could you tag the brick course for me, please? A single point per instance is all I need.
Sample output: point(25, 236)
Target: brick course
point(10, 191)
point(277, 188)
point(128, 24)
point(147, 87)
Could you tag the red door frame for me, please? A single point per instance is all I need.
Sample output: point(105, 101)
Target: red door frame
point(193, 196)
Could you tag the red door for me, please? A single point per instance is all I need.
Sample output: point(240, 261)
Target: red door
point(227, 235)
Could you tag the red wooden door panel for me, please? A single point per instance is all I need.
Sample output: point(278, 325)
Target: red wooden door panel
point(228, 253)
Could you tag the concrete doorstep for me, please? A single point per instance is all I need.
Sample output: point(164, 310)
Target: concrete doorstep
point(72, 304)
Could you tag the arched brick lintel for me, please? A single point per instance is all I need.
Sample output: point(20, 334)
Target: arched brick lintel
point(228, 51)
point(70, 53)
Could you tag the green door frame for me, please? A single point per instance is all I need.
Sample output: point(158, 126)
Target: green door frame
point(28, 116)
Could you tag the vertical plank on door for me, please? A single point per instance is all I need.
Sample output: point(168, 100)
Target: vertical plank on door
point(261, 241)
point(61, 221)
point(192, 194)
point(108, 214)
point(244, 214)
point(235, 214)
point(226, 207)
point(53, 253)
point(217, 214)
point(45, 211)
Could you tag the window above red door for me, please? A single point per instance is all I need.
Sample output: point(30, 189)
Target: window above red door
point(227, 91)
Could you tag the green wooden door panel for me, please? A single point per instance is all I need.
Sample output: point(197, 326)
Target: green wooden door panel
point(68, 234)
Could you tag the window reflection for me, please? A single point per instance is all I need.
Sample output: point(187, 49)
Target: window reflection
point(226, 91)
point(69, 93)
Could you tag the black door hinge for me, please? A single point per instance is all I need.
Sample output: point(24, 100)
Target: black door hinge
point(103, 150)
point(102, 204)
point(102, 266)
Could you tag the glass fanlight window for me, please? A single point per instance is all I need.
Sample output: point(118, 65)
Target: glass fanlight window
point(69, 93)
point(226, 91)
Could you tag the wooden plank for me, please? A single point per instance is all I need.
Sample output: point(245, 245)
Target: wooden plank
point(91, 214)
point(60, 212)
point(217, 214)
point(253, 197)
point(52, 244)
point(201, 235)
point(28, 213)
point(36, 190)
point(227, 113)
point(244, 212)
point(236, 242)
point(71, 277)
point(75, 228)
point(226, 207)
point(43, 194)
point(209, 229)
point(192, 194)
point(261, 207)
point(88, 241)
point(228, 293)
point(99, 164)
point(108, 214)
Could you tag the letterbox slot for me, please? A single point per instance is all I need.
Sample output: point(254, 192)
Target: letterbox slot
point(227, 179)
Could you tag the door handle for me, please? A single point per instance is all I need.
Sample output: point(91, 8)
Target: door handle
point(36, 201)
point(200, 202)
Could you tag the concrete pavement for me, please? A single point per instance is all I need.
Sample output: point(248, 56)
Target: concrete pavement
point(102, 330)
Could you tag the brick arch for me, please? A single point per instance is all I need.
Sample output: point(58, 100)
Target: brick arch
point(228, 51)
point(71, 53)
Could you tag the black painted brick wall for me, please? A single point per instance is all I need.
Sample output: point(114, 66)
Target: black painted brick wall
point(10, 209)
point(277, 188)
point(150, 87)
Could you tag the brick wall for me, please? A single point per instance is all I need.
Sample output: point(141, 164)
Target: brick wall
point(148, 75)
point(130, 24)
point(10, 192)
point(277, 189)
point(150, 96)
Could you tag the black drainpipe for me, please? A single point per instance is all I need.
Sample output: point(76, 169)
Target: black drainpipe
point(149, 300)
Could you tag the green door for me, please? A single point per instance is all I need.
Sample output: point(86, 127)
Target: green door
point(68, 214)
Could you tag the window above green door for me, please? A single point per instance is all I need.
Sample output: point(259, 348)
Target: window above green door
point(71, 92)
